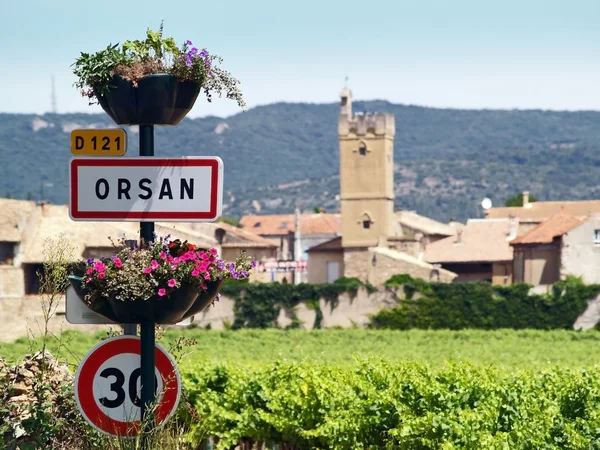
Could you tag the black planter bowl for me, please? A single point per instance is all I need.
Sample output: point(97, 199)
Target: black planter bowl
point(159, 99)
point(170, 309)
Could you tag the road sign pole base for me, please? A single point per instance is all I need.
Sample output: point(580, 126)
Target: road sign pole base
point(148, 339)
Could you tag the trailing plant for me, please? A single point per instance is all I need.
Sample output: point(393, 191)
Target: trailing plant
point(482, 305)
point(156, 54)
point(156, 268)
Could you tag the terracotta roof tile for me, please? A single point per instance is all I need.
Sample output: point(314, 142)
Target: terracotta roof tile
point(277, 224)
point(540, 211)
point(243, 237)
point(482, 240)
point(545, 232)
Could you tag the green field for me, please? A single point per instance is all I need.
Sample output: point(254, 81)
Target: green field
point(524, 349)
point(380, 390)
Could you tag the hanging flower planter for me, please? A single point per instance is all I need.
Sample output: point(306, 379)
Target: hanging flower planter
point(165, 282)
point(159, 99)
point(152, 82)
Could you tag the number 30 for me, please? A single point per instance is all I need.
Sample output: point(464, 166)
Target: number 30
point(117, 387)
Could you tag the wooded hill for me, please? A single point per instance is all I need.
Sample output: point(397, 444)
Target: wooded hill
point(447, 160)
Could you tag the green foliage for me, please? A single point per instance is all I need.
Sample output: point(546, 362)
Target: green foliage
point(95, 70)
point(482, 305)
point(257, 305)
point(229, 220)
point(154, 46)
point(382, 405)
point(517, 200)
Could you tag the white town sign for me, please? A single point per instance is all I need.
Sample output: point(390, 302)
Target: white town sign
point(143, 189)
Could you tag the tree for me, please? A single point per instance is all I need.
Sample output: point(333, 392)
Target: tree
point(517, 200)
point(228, 220)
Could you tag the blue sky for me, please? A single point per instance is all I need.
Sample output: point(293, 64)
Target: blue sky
point(454, 53)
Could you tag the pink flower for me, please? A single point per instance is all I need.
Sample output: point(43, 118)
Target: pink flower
point(118, 263)
point(213, 251)
point(99, 267)
point(154, 264)
point(204, 266)
point(162, 292)
point(172, 282)
point(101, 275)
point(173, 267)
point(203, 255)
point(176, 260)
point(88, 280)
point(195, 272)
point(87, 272)
point(207, 276)
point(163, 255)
point(147, 270)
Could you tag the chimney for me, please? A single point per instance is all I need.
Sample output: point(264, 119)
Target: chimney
point(514, 226)
point(526, 203)
point(458, 236)
point(297, 245)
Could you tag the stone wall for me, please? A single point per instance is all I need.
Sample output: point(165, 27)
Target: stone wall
point(377, 265)
point(580, 256)
point(11, 282)
point(24, 316)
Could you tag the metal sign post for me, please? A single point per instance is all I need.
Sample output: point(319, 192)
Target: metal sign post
point(147, 333)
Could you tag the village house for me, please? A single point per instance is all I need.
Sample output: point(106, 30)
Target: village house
point(560, 246)
point(480, 251)
point(292, 244)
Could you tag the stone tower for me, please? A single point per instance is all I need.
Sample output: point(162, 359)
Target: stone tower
point(366, 175)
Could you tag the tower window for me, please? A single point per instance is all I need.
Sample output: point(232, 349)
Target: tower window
point(366, 224)
point(362, 150)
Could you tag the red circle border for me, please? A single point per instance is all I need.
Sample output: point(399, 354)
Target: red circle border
point(105, 350)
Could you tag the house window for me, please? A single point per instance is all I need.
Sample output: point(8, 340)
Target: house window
point(362, 149)
point(597, 238)
point(366, 224)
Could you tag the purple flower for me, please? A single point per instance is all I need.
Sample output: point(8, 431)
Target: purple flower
point(90, 261)
point(188, 42)
point(193, 51)
point(244, 273)
point(207, 62)
point(236, 275)
point(203, 53)
point(253, 264)
point(221, 266)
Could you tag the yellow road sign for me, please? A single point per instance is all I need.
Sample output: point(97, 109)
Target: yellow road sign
point(99, 142)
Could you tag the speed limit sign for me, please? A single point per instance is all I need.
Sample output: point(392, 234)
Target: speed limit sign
point(108, 387)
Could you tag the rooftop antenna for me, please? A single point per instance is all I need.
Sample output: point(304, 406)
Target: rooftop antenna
point(346, 82)
point(53, 96)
